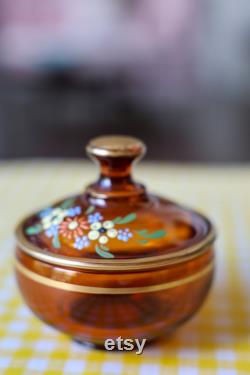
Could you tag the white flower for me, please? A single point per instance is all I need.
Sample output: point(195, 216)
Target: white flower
point(102, 231)
point(55, 217)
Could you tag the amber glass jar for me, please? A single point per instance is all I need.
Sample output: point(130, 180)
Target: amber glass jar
point(115, 260)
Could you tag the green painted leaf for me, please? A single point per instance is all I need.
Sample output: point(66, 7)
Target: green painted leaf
point(67, 203)
point(154, 235)
point(103, 247)
point(143, 242)
point(102, 253)
point(89, 210)
point(142, 232)
point(128, 218)
point(125, 219)
point(56, 242)
point(34, 230)
point(117, 220)
point(158, 234)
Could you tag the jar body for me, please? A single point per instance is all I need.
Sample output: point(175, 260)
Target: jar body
point(92, 306)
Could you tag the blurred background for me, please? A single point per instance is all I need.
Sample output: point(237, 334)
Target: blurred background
point(173, 72)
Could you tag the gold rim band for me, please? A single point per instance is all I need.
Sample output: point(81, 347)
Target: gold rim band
point(153, 262)
point(99, 290)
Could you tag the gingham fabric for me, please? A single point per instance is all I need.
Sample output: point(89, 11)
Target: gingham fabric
point(215, 341)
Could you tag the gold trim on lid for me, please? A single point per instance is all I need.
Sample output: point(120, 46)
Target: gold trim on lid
point(116, 146)
point(137, 264)
point(102, 290)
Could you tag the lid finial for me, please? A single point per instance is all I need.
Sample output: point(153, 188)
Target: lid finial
point(116, 146)
point(115, 155)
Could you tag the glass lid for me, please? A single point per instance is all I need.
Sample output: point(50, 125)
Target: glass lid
point(115, 221)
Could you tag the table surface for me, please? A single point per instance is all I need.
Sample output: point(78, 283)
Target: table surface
point(215, 341)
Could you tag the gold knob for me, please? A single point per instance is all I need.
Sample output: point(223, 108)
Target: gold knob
point(116, 146)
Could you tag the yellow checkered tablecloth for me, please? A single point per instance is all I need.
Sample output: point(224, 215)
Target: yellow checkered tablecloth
point(215, 341)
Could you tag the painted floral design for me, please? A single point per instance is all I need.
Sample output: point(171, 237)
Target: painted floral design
point(81, 242)
point(87, 228)
point(102, 231)
point(73, 211)
point(72, 228)
point(124, 234)
point(52, 231)
point(53, 217)
point(93, 218)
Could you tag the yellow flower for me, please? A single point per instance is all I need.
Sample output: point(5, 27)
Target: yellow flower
point(102, 231)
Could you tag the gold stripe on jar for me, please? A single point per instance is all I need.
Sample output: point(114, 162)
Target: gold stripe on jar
point(102, 290)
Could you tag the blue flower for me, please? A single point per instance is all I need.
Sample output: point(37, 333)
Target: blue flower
point(74, 211)
point(93, 218)
point(45, 212)
point(52, 231)
point(124, 234)
point(81, 242)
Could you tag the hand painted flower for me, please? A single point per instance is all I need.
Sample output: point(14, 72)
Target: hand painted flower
point(74, 211)
point(93, 218)
point(52, 231)
point(124, 234)
point(71, 228)
point(102, 231)
point(53, 216)
point(81, 242)
point(45, 212)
